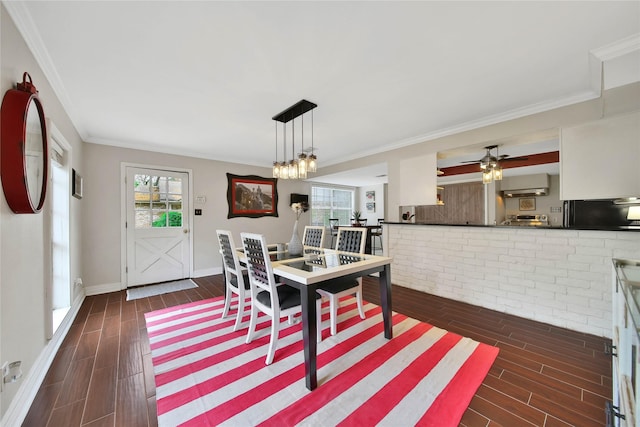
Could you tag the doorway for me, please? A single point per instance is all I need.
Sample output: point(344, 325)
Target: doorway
point(157, 229)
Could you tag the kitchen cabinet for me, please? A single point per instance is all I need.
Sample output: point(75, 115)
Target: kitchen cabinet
point(625, 343)
point(600, 160)
point(461, 204)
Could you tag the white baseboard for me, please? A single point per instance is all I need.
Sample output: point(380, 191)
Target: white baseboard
point(207, 272)
point(22, 401)
point(103, 289)
point(106, 288)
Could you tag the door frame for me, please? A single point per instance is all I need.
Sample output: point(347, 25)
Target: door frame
point(123, 214)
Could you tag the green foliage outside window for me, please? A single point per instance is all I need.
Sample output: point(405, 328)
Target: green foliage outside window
point(175, 220)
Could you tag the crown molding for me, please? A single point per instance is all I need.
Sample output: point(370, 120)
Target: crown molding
point(476, 124)
point(24, 22)
point(618, 48)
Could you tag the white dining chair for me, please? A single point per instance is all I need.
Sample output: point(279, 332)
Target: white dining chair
point(313, 236)
point(236, 278)
point(350, 239)
point(273, 299)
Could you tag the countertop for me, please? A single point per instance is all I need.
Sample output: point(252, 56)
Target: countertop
point(621, 228)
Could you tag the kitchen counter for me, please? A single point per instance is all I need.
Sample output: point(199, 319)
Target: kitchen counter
point(557, 276)
point(544, 227)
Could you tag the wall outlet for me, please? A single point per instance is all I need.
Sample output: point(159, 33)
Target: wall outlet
point(78, 282)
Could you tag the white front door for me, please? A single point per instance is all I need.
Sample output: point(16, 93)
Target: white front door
point(157, 226)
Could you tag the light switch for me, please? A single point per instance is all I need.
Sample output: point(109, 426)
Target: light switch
point(198, 212)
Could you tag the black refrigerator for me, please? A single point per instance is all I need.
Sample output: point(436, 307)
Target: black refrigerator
point(596, 214)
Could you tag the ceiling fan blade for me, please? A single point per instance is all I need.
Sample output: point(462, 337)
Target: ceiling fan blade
point(506, 159)
point(471, 161)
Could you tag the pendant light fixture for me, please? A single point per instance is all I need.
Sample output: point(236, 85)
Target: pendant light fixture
point(312, 161)
point(293, 164)
point(302, 157)
point(276, 163)
point(297, 167)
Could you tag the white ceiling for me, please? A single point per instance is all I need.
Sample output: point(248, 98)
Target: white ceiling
point(205, 78)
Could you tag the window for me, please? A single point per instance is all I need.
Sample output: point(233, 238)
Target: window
point(327, 202)
point(158, 201)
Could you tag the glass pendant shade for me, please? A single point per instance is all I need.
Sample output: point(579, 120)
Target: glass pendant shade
point(293, 169)
point(276, 169)
point(284, 170)
point(487, 176)
point(302, 166)
point(497, 174)
point(312, 163)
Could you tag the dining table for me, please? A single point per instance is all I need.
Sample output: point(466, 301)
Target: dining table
point(308, 271)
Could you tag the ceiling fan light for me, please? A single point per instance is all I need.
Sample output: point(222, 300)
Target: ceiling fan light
point(497, 174)
point(487, 177)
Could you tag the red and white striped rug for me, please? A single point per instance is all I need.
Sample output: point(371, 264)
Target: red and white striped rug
point(206, 375)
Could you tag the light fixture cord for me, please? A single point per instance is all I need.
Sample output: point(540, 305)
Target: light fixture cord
point(311, 131)
point(276, 123)
point(302, 143)
point(284, 131)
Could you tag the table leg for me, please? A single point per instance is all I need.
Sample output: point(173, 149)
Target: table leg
point(385, 299)
point(309, 334)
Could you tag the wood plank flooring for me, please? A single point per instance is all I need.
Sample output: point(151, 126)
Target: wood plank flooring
point(543, 376)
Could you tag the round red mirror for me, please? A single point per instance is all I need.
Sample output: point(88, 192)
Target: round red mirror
point(24, 154)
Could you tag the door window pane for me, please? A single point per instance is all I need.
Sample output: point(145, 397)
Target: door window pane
point(158, 201)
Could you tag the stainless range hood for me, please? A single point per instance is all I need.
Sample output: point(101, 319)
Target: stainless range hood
point(525, 192)
point(525, 185)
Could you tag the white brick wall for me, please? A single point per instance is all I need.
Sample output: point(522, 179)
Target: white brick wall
point(559, 277)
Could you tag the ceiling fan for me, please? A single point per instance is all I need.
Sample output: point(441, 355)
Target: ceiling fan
point(489, 161)
point(490, 164)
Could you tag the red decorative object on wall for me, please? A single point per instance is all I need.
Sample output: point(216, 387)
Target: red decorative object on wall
point(24, 148)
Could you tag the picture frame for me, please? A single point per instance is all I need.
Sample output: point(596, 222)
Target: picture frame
point(371, 207)
point(528, 204)
point(370, 196)
point(76, 184)
point(251, 196)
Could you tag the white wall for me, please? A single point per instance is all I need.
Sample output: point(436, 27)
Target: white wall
point(102, 200)
point(361, 203)
point(617, 101)
point(22, 239)
point(555, 276)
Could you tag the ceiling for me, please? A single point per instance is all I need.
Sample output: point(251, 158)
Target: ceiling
point(205, 78)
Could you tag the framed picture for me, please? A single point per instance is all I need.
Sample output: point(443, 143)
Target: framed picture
point(251, 196)
point(528, 204)
point(76, 184)
point(371, 207)
point(371, 196)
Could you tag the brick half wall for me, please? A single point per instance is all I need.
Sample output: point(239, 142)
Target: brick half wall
point(555, 276)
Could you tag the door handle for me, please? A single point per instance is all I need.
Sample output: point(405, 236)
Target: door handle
point(185, 231)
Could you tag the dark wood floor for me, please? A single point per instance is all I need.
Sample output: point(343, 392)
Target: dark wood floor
point(543, 376)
